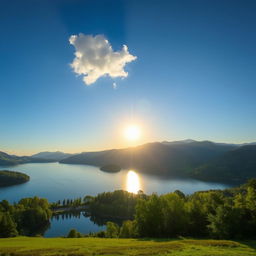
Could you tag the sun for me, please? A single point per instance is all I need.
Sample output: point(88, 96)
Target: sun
point(132, 132)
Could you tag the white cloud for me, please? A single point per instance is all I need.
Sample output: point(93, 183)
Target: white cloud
point(94, 57)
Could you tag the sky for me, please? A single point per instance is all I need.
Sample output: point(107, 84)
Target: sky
point(74, 74)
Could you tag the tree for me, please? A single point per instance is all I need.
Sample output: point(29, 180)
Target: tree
point(149, 217)
point(175, 220)
point(128, 229)
point(252, 183)
point(72, 233)
point(112, 230)
point(7, 226)
point(225, 224)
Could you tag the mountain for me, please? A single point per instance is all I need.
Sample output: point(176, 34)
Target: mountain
point(6, 159)
point(178, 142)
point(237, 165)
point(174, 159)
point(56, 156)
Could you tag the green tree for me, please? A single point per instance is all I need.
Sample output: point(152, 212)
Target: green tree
point(7, 226)
point(112, 230)
point(128, 229)
point(72, 233)
point(149, 217)
point(175, 218)
point(225, 224)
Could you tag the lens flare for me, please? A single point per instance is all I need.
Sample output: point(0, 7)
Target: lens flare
point(133, 184)
point(132, 132)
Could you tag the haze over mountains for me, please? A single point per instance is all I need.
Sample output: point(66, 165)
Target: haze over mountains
point(187, 158)
point(42, 157)
point(57, 156)
point(206, 160)
point(6, 159)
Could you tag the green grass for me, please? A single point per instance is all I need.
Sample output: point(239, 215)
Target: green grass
point(25, 246)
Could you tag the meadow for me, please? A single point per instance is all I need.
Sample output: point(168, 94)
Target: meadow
point(38, 246)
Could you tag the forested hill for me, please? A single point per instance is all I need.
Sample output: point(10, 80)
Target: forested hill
point(9, 178)
point(236, 165)
point(176, 159)
point(6, 159)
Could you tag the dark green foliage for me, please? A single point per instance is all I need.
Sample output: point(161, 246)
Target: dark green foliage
point(222, 214)
point(128, 229)
point(218, 214)
point(235, 166)
point(225, 222)
point(112, 230)
point(33, 215)
point(117, 204)
point(74, 234)
point(100, 234)
point(70, 203)
point(175, 159)
point(29, 217)
point(8, 178)
point(160, 215)
point(7, 225)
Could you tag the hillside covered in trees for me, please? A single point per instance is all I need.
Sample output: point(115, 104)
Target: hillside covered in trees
point(156, 158)
point(204, 160)
point(235, 166)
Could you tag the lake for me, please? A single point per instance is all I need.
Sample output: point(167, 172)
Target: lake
point(56, 181)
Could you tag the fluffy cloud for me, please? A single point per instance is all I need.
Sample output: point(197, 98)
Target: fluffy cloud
point(94, 57)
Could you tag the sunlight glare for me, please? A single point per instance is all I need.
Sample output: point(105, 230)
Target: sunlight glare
point(133, 184)
point(132, 132)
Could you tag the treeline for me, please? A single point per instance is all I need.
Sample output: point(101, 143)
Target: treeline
point(224, 214)
point(29, 217)
point(118, 204)
point(69, 203)
point(221, 214)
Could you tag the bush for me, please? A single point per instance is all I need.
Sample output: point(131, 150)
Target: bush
point(112, 230)
point(73, 233)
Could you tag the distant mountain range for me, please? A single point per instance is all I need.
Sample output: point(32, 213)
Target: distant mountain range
point(56, 156)
point(155, 158)
point(42, 157)
point(6, 159)
point(205, 160)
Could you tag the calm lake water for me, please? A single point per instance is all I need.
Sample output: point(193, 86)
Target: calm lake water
point(56, 181)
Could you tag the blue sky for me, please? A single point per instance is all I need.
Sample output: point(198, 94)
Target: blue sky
point(194, 76)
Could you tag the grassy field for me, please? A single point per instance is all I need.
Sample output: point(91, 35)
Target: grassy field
point(24, 246)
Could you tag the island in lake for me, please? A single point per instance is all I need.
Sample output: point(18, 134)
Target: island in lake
point(110, 168)
point(9, 178)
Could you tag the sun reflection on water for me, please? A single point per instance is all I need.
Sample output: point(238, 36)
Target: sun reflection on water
point(133, 183)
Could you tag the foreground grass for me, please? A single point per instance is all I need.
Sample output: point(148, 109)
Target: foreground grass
point(25, 246)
